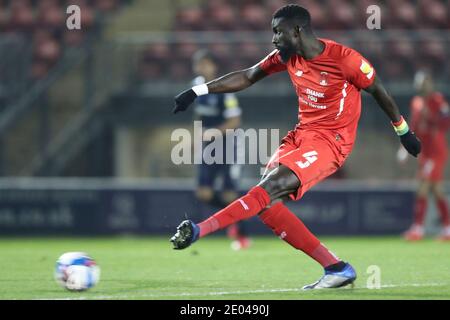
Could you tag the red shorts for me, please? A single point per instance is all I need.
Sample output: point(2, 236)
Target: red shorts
point(432, 168)
point(311, 155)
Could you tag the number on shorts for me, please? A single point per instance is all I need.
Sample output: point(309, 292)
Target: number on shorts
point(310, 157)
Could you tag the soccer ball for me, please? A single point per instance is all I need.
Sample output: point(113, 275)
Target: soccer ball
point(76, 271)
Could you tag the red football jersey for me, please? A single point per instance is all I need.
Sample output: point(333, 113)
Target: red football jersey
point(430, 120)
point(328, 87)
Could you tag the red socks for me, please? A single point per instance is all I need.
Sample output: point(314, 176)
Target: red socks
point(283, 222)
point(420, 210)
point(243, 208)
point(443, 211)
point(291, 229)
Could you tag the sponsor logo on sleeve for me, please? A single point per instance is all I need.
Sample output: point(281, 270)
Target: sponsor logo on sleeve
point(367, 69)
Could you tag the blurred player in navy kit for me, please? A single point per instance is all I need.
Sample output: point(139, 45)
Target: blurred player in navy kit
point(222, 112)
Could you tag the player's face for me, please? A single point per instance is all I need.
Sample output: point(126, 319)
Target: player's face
point(424, 86)
point(427, 85)
point(206, 68)
point(283, 38)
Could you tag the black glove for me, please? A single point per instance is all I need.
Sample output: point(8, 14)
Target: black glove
point(411, 143)
point(183, 100)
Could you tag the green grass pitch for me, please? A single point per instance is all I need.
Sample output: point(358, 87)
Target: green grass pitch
point(148, 268)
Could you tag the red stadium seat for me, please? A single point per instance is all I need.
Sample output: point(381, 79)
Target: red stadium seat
point(106, 5)
point(250, 50)
point(404, 14)
point(157, 52)
point(434, 13)
point(401, 47)
point(223, 19)
point(21, 16)
point(319, 14)
point(44, 20)
point(254, 17)
point(216, 5)
point(51, 15)
point(433, 49)
point(221, 50)
point(395, 69)
point(273, 5)
point(395, 59)
point(186, 50)
point(189, 19)
point(343, 15)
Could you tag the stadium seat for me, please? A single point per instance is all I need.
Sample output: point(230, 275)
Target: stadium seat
point(318, 11)
point(44, 22)
point(106, 5)
point(221, 50)
point(343, 15)
point(250, 50)
point(223, 19)
point(157, 52)
point(404, 14)
point(251, 15)
point(434, 13)
point(401, 47)
point(395, 68)
point(50, 15)
point(433, 49)
point(254, 17)
point(185, 50)
point(189, 19)
point(21, 16)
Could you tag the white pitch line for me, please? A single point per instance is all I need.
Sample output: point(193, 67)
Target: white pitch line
point(222, 293)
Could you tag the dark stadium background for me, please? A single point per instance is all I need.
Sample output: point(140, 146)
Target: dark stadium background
point(85, 116)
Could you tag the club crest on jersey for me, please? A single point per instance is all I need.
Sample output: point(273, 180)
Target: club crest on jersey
point(323, 78)
point(299, 73)
point(366, 69)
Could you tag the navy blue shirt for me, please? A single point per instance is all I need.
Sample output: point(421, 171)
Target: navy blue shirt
point(215, 108)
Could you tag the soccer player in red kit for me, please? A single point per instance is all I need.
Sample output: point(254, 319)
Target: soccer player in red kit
point(327, 77)
point(430, 119)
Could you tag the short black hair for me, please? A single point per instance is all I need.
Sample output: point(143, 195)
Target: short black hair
point(295, 12)
point(204, 54)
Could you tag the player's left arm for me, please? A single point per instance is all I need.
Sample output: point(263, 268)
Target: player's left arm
point(388, 105)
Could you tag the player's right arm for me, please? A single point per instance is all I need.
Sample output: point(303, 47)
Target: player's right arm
point(232, 82)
